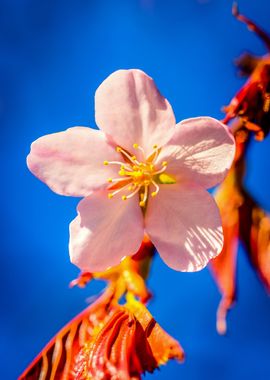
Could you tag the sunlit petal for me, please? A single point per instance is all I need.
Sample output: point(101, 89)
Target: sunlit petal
point(131, 110)
point(184, 225)
point(201, 150)
point(72, 162)
point(105, 231)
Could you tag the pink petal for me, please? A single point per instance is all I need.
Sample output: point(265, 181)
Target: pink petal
point(201, 150)
point(131, 110)
point(183, 222)
point(72, 162)
point(105, 231)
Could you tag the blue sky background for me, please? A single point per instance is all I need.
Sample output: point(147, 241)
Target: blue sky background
point(54, 54)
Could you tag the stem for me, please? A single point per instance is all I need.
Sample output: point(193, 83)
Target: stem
point(251, 26)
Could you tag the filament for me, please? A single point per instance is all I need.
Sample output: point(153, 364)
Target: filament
point(111, 195)
point(154, 193)
point(112, 180)
point(124, 166)
point(136, 146)
point(161, 170)
point(134, 192)
point(127, 155)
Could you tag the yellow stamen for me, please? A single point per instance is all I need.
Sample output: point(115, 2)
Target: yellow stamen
point(144, 196)
point(154, 193)
point(136, 177)
point(137, 146)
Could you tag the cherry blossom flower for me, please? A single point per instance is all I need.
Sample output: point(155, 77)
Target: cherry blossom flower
point(140, 173)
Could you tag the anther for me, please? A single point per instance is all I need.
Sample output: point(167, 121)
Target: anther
point(110, 195)
point(109, 180)
point(118, 149)
point(124, 198)
point(105, 163)
point(164, 163)
point(153, 194)
point(135, 146)
point(142, 203)
point(155, 146)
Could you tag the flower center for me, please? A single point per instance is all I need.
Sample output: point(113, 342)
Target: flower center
point(135, 176)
